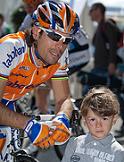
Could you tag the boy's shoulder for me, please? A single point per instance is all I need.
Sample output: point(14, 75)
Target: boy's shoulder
point(117, 146)
point(77, 140)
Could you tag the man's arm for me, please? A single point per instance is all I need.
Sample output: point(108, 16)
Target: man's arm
point(37, 131)
point(61, 92)
point(64, 110)
point(8, 117)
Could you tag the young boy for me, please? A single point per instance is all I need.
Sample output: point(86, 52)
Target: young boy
point(100, 109)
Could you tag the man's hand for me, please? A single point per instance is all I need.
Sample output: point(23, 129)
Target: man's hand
point(61, 133)
point(38, 133)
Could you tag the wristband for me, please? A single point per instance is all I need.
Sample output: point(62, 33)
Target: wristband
point(63, 118)
point(32, 129)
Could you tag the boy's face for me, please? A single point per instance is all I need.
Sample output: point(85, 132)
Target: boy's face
point(98, 126)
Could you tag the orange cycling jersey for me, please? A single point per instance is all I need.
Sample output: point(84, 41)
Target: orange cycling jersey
point(18, 67)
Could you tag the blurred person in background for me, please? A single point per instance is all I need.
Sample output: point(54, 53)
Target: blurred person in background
point(4, 27)
point(104, 54)
point(17, 17)
point(29, 6)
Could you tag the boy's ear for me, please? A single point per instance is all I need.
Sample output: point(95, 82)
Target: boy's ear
point(84, 121)
point(115, 118)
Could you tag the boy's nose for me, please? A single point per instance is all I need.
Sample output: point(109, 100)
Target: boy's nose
point(98, 123)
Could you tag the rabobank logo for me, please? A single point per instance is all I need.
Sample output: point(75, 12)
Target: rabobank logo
point(12, 55)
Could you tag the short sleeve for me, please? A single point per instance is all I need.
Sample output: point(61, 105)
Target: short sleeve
point(64, 62)
point(10, 53)
point(70, 148)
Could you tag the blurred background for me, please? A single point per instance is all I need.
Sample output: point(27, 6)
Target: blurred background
point(115, 9)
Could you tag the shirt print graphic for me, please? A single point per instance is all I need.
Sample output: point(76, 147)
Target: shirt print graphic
point(95, 154)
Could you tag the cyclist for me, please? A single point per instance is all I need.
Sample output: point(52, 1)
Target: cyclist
point(59, 79)
point(28, 59)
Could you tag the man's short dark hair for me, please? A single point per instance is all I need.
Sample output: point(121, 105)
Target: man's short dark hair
point(98, 5)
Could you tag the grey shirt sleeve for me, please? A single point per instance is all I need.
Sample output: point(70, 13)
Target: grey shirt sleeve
point(119, 152)
point(70, 148)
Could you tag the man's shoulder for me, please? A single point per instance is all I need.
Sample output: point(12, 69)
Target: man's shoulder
point(13, 37)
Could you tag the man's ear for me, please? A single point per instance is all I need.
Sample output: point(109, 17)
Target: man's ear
point(35, 32)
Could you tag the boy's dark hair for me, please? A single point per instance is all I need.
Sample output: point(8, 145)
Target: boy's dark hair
point(98, 5)
point(102, 101)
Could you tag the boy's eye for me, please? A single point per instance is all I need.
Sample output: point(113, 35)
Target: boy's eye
point(105, 118)
point(92, 119)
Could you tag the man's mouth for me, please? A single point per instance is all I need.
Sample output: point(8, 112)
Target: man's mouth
point(55, 54)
